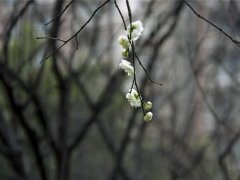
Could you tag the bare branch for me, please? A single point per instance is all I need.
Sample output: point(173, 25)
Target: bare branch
point(214, 25)
point(66, 7)
point(51, 38)
point(115, 2)
point(75, 35)
point(146, 70)
point(13, 22)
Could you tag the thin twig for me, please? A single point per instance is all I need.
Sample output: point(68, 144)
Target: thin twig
point(130, 19)
point(115, 2)
point(209, 22)
point(75, 35)
point(135, 79)
point(145, 70)
point(132, 85)
point(66, 7)
point(76, 41)
point(51, 38)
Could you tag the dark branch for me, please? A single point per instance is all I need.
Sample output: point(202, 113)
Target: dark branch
point(66, 7)
point(76, 34)
point(214, 25)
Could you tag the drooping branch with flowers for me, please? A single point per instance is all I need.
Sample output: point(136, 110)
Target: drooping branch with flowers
point(134, 31)
point(56, 124)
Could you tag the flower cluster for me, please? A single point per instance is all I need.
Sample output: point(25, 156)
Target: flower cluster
point(133, 98)
point(134, 31)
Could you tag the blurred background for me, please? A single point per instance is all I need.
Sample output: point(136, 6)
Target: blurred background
point(68, 118)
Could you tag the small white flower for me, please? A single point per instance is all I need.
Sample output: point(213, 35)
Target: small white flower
point(124, 42)
point(125, 53)
point(137, 29)
point(147, 106)
point(127, 67)
point(133, 98)
point(148, 117)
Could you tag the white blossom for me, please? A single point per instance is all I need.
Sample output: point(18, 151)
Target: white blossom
point(127, 67)
point(137, 29)
point(147, 106)
point(148, 116)
point(124, 42)
point(133, 98)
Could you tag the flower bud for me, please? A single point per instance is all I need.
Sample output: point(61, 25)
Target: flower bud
point(125, 53)
point(147, 106)
point(124, 42)
point(148, 117)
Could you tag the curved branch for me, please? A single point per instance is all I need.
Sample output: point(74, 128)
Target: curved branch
point(75, 35)
point(212, 24)
point(66, 7)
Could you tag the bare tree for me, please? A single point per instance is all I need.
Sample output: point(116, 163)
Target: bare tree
point(63, 111)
